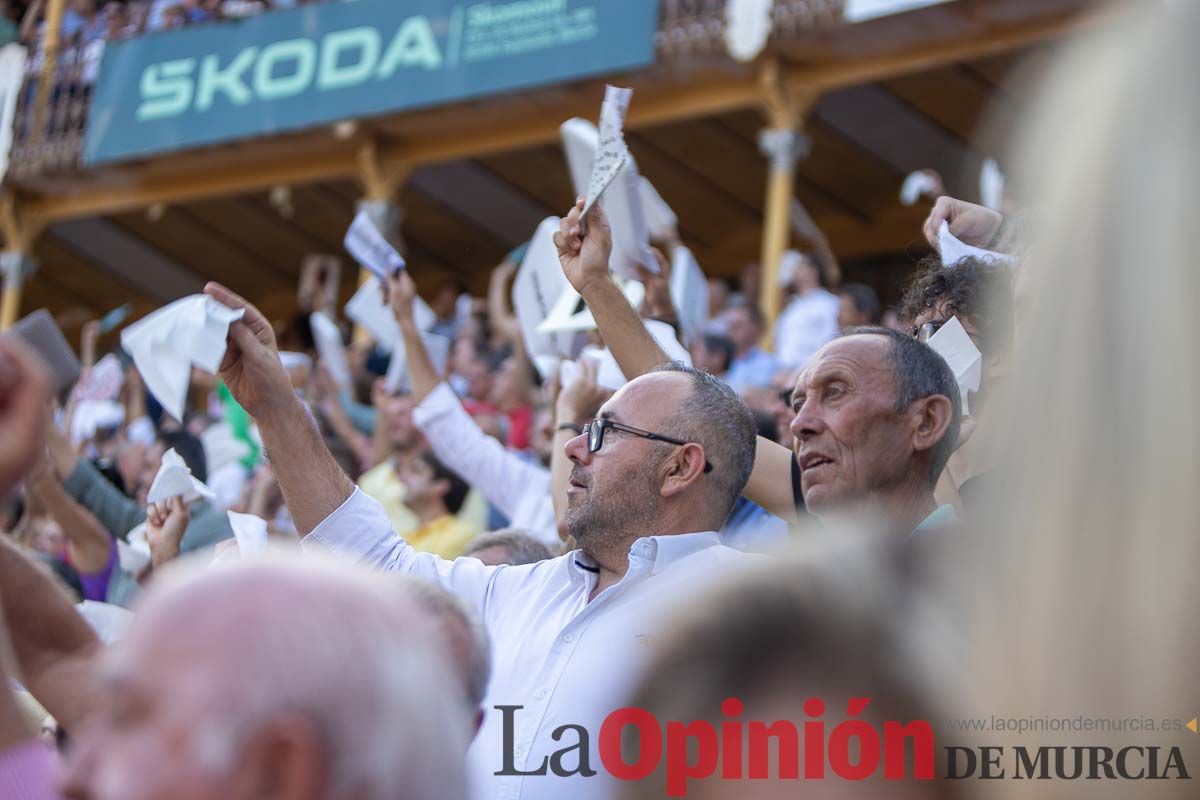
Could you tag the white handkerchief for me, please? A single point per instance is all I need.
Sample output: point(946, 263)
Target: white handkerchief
point(955, 250)
point(93, 415)
point(134, 555)
point(916, 185)
point(612, 152)
point(331, 350)
point(250, 532)
point(952, 343)
point(166, 344)
point(104, 381)
point(371, 249)
point(367, 308)
point(175, 479)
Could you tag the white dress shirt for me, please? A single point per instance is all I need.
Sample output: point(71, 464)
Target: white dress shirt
point(808, 322)
point(567, 661)
point(519, 488)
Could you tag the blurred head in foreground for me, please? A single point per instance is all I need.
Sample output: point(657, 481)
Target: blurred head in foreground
point(784, 645)
point(1088, 603)
point(282, 677)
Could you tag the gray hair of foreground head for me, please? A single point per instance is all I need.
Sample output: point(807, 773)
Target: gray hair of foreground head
point(716, 418)
point(343, 648)
point(522, 548)
point(919, 372)
point(451, 611)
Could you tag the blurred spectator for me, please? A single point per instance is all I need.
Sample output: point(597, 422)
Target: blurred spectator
point(809, 319)
point(435, 494)
point(751, 366)
point(859, 305)
point(511, 546)
point(713, 353)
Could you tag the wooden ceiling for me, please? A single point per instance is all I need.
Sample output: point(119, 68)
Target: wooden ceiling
point(462, 216)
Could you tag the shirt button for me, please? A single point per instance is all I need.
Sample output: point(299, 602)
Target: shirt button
point(569, 637)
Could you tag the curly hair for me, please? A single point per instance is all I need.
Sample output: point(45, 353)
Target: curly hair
point(978, 290)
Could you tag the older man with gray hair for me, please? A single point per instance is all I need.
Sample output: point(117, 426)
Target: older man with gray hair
point(285, 676)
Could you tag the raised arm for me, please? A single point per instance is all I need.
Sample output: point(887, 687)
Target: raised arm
point(313, 484)
point(584, 255)
point(88, 543)
point(584, 258)
point(54, 646)
point(402, 293)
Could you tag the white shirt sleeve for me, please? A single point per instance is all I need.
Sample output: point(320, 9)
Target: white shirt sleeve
point(519, 488)
point(360, 530)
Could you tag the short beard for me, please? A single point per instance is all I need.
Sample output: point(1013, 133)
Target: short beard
point(619, 517)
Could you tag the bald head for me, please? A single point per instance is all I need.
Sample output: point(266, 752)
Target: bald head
point(322, 680)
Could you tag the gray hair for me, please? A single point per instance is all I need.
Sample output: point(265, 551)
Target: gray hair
point(716, 418)
point(334, 644)
point(919, 372)
point(521, 547)
point(453, 616)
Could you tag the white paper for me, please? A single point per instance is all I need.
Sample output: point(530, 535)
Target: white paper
point(249, 531)
point(438, 348)
point(917, 185)
point(331, 349)
point(291, 360)
point(539, 283)
point(103, 381)
point(689, 292)
point(166, 344)
point(175, 479)
point(952, 343)
point(371, 249)
point(608, 373)
point(955, 250)
point(569, 314)
point(660, 219)
point(623, 201)
point(611, 151)
point(789, 263)
point(991, 185)
point(93, 415)
point(367, 308)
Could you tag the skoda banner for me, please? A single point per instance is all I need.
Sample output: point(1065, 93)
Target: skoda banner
point(288, 70)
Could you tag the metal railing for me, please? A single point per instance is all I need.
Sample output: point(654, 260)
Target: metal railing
point(686, 28)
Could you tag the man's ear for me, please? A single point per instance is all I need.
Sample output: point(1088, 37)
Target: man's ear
point(442, 487)
point(931, 418)
point(682, 469)
point(283, 761)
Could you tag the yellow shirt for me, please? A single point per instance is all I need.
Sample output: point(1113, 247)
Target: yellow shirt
point(381, 484)
point(445, 536)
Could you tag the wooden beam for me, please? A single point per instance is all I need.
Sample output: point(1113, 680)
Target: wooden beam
point(262, 168)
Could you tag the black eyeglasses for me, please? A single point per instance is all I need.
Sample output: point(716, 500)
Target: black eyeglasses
point(595, 429)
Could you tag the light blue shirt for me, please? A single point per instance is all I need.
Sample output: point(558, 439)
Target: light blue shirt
point(756, 368)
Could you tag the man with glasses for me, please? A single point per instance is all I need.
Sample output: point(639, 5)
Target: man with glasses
point(652, 480)
point(875, 414)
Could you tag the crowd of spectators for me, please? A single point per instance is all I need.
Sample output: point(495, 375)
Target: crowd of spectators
point(336, 579)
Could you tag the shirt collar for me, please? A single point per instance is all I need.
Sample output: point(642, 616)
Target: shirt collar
point(660, 551)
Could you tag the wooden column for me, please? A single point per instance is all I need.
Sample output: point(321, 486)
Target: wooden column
point(19, 233)
point(783, 144)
